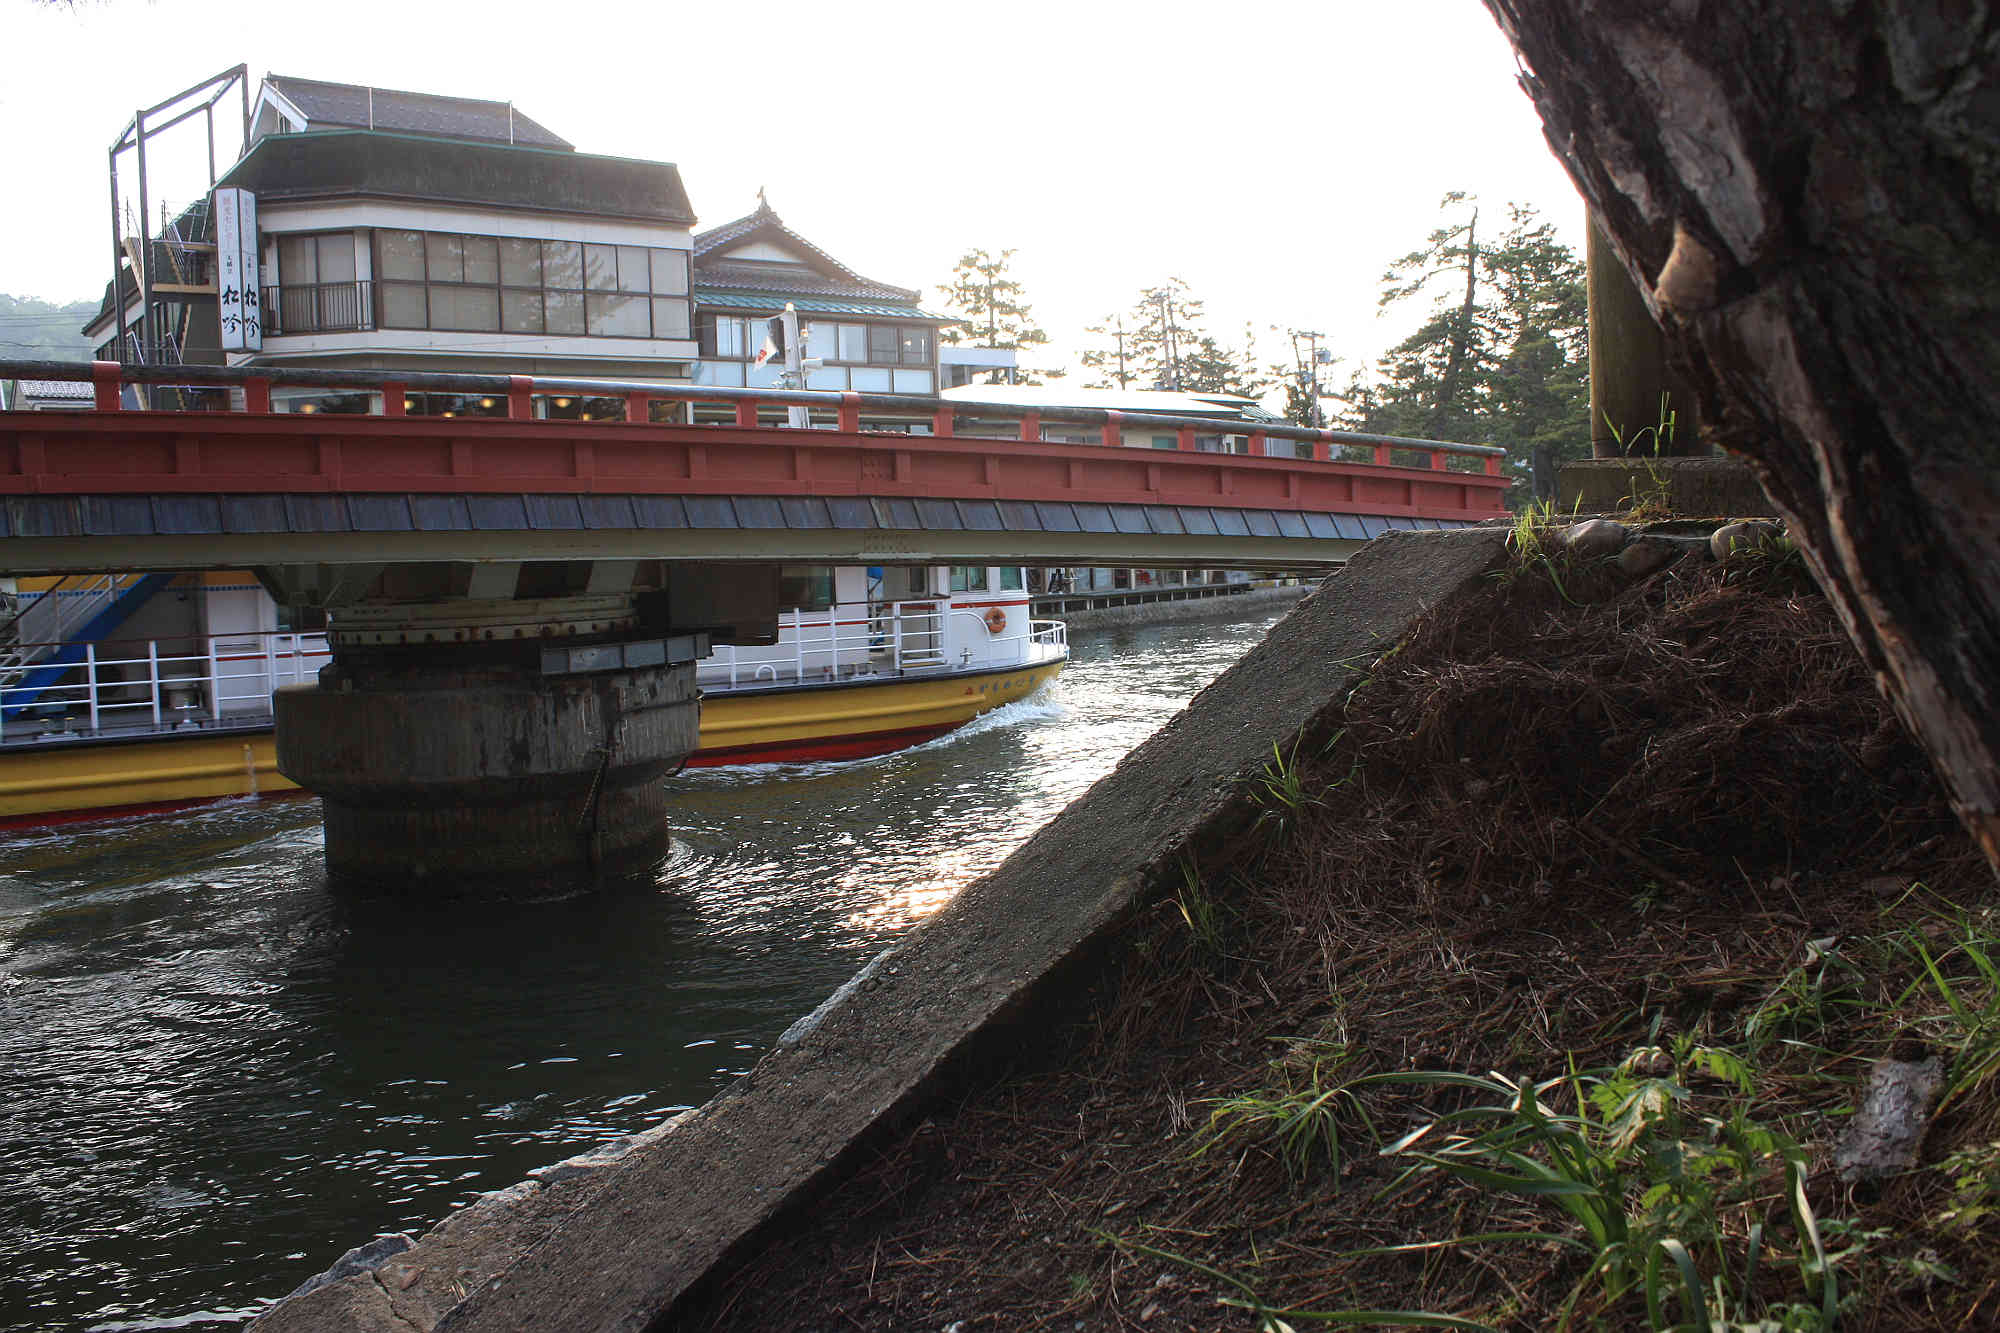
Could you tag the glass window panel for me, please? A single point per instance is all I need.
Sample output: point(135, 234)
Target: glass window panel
point(882, 342)
point(827, 377)
point(403, 305)
point(762, 377)
point(916, 347)
point(471, 308)
point(564, 311)
point(853, 342)
point(823, 341)
point(729, 374)
point(670, 317)
point(521, 312)
point(805, 587)
point(600, 268)
point(869, 380)
point(968, 578)
point(446, 257)
point(562, 264)
point(482, 260)
point(336, 258)
point(520, 262)
point(670, 272)
point(729, 336)
point(913, 381)
point(615, 316)
point(298, 261)
point(399, 255)
point(1010, 579)
point(632, 270)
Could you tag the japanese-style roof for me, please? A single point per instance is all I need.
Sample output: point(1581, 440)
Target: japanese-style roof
point(770, 303)
point(352, 106)
point(349, 164)
point(817, 273)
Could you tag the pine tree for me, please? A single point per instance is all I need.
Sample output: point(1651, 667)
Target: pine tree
point(1108, 357)
point(1502, 358)
point(991, 306)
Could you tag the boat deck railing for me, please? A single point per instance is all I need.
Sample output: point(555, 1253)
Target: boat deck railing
point(852, 642)
point(122, 687)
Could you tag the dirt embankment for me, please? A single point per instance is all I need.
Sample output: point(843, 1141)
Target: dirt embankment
point(1654, 850)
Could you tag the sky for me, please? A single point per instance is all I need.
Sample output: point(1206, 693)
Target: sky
point(1276, 155)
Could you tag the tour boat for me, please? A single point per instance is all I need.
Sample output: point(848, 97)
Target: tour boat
point(122, 693)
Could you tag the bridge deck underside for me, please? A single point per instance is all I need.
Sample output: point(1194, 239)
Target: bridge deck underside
point(46, 533)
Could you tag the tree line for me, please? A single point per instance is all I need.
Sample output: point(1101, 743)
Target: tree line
point(1500, 357)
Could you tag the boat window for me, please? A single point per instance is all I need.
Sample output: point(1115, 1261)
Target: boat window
point(968, 578)
point(1011, 579)
point(805, 587)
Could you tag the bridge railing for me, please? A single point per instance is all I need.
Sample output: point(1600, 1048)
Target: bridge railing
point(524, 398)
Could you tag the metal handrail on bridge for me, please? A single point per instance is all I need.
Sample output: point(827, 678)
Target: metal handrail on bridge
point(518, 393)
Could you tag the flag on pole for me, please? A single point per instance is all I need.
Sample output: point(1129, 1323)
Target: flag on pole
point(774, 341)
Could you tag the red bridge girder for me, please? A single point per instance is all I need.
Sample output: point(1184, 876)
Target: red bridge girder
point(105, 453)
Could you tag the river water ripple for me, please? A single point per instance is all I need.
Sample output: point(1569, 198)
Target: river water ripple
point(219, 1072)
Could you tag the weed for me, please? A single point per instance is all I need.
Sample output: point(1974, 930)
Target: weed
point(1653, 1188)
point(1810, 1001)
point(1302, 1118)
point(1967, 980)
point(1199, 909)
point(1975, 1187)
point(1654, 500)
point(1533, 546)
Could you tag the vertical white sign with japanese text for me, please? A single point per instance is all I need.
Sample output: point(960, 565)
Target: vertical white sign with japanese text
point(239, 307)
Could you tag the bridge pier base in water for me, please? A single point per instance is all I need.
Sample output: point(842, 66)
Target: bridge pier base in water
point(477, 762)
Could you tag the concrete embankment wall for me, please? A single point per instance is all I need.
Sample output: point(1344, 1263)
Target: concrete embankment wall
point(1234, 606)
point(614, 1242)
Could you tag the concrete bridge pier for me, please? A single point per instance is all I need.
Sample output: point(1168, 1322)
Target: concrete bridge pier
point(485, 742)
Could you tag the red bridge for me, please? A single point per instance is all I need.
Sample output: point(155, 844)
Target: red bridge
point(516, 604)
point(700, 474)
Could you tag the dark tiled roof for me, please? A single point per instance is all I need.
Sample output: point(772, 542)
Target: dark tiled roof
point(828, 276)
point(346, 163)
point(333, 105)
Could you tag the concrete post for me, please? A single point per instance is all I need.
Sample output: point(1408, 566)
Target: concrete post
point(444, 757)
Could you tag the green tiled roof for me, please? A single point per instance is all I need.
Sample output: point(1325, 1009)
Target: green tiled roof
point(730, 298)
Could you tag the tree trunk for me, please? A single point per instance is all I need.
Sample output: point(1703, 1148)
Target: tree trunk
point(1808, 196)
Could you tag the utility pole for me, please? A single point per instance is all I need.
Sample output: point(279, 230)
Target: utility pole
point(1118, 332)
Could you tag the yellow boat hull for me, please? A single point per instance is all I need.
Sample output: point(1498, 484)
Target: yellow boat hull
point(57, 782)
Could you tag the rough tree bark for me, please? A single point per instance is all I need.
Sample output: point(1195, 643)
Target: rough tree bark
point(1808, 194)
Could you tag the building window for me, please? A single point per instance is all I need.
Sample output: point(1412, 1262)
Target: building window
point(317, 288)
point(520, 285)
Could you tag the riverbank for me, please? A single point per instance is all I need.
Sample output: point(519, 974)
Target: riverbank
point(1655, 847)
point(1166, 606)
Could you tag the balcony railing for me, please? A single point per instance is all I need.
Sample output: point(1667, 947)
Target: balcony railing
point(319, 307)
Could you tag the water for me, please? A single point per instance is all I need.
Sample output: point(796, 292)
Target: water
point(218, 1073)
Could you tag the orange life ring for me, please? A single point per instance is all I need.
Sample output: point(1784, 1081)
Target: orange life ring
point(996, 620)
